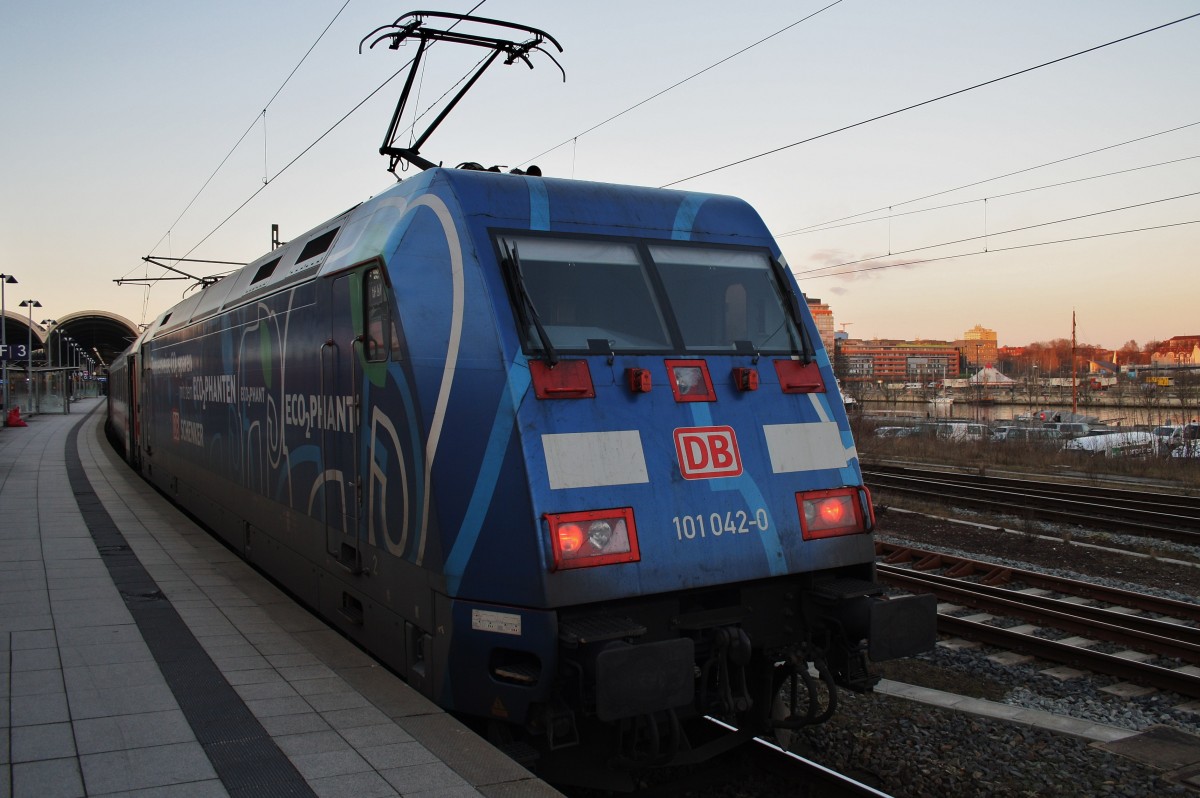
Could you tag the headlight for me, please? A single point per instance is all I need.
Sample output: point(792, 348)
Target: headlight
point(593, 537)
point(829, 513)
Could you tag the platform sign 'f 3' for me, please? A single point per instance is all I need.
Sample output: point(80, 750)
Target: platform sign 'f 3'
point(707, 452)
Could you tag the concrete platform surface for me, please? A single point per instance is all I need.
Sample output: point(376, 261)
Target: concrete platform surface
point(140, 657)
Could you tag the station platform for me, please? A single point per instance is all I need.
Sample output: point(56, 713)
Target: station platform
point(140, 657)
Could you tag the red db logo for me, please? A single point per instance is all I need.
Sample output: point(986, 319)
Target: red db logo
point(707, 452)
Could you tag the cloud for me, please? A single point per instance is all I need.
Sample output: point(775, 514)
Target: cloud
point(827, 257)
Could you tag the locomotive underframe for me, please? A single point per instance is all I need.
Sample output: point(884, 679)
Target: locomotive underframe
point(628, 672)
point(647, 666)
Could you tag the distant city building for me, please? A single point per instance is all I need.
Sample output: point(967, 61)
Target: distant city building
point(888, 360)
point(978, 346)
point(1182, 350)
point(823, 316)
point(1127, 359)
point(899, 361)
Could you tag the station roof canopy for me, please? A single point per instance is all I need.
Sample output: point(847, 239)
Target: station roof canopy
point(101, 334)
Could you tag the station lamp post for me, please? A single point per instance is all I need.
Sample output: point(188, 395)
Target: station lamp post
point(52, 326)
point(5, 279)
point(81, 368)
point(73, 354)
point(31, 304)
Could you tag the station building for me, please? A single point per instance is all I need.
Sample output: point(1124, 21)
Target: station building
point(1182, 350)
point(823, 316)
point(978, 347)
point(891, 361)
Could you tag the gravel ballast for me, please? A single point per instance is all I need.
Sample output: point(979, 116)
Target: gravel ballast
point(910, 749)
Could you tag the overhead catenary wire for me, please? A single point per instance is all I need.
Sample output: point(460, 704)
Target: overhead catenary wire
point(892, 216)
point(931, 100)
point(1055, 162)
point(575, 139)
point(268, 180)
point(369, 96)
point(314, 143)
point(292, 162)
point(994, 250)
point(261, 115)
point(993, 234)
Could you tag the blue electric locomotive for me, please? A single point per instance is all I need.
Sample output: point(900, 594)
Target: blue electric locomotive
point(563, 454)
point(568, 456)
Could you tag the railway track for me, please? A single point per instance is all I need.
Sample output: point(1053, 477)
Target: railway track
point(803, 775)
point(817, 779)
point(758, 767)
point(1147, 627)
point(1165, 516)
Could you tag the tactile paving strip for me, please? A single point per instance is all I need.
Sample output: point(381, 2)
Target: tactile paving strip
point(244, 756)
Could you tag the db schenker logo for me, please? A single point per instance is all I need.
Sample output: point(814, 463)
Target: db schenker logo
point(707, 452)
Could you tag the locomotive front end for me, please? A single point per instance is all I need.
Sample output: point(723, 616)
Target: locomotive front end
point(704, 532)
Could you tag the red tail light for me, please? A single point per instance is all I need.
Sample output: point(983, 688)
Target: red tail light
point(570, 538)
point(829, 513)
point(595, 537)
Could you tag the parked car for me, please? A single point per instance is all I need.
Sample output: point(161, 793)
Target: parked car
point(1115, 444)
point(1189, 449)
point(1172, 435)
point(896, 432)
point(1075, 429)
point(1168, 432)
point(1026, 434)
point(961, 431)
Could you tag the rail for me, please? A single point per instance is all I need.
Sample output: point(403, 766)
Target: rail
point(1164, 516)
point(1118, 624)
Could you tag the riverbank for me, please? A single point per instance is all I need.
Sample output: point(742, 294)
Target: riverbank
point(1118, 409)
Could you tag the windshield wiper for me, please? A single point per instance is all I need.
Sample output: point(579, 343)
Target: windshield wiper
point(512, 264)
point(793, 303)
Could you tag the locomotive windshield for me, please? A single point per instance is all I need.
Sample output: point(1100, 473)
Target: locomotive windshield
point(582, 295)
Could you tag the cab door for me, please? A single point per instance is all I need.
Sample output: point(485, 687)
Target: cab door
point(142, 399)
point(338, 419)
point(133, 415)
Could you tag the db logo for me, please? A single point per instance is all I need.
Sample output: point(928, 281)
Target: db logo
point(707, 452)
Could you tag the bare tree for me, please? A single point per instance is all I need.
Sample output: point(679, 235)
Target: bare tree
point(1185, 388)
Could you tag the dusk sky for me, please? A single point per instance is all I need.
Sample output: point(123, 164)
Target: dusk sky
point(116, 115)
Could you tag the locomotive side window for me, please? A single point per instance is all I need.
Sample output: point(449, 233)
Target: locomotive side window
point(377, 338)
